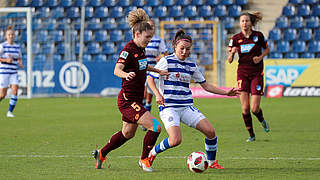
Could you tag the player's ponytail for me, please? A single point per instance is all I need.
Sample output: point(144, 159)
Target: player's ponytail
point(138, 21)
point(181, 36)
point(255, 16)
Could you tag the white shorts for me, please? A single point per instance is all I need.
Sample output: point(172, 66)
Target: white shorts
point(189, 115)
point(8, 79)
point(156, 81)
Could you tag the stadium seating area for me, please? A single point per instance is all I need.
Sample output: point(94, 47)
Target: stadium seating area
point(296, 33)
point(106, 28)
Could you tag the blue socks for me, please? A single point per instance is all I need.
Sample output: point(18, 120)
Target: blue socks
point(211, 148)
point(13, 102)
point(162, 146)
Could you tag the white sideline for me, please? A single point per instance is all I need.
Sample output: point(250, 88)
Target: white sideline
point(164, 157)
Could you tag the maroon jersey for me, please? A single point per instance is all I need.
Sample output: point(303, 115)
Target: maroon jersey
point(249, 48)
point(134, 60)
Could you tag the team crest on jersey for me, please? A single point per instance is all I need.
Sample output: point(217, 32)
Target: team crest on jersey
point(124, 54)
point(240, 41)
point(245, 48)
point(230, 42)
point(142, 64)
point(255, 38)
point(258, 88)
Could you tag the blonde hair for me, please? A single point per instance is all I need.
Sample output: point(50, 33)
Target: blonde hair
point(255, 16)
point(138, 21)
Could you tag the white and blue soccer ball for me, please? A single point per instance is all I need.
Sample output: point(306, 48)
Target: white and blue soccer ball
point(197, 162)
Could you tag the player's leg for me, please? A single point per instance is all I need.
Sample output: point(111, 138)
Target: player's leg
point(13, 100)
point(144, 102)
point(3, 93)
point(4, 82)
point(149, 102)
point(246, 115)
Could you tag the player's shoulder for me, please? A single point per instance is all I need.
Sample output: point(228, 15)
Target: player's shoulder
point(257, 33)
point(237, 36)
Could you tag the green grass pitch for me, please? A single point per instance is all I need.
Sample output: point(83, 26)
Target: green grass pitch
point(52, 138)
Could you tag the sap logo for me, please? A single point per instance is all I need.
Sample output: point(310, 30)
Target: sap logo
point(245, 48)
point(283, 75)
point(43, 78)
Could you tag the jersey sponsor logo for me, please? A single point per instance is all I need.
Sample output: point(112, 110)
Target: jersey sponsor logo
point(255, 38)
point(124, 54)
point(245, 48)
point(136, 55)
point(301, 91)
point(283, 75)
point(142, 64)
point(230, 42)
point(274, 91)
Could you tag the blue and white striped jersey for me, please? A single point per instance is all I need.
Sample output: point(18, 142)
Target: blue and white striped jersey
point(175, 87)
point(7, 50)
point(155, 47)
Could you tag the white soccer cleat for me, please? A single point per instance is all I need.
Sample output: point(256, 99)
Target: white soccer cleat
point(251, 139)
point(9, 114)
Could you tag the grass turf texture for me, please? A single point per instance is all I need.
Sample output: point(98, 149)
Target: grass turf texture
point(52, 138)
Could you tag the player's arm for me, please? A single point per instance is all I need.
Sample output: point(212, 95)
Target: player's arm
point(213, 89)
point(20, 63)
point(257, 59)
point(153, 87)
point(161, 72)
point(118, 71)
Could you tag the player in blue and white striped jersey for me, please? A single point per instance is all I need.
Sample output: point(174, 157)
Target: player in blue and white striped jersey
point(10, 59)
point(175, 98)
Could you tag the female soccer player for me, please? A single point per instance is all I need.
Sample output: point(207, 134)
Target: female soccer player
point(132, 67)
point(10, 58)
point(248, 43)
point(175, 98)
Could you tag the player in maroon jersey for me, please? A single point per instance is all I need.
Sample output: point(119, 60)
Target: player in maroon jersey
point(132, 66)
point(249, 43)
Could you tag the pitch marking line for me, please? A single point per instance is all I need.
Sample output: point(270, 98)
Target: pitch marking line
point(164, 157)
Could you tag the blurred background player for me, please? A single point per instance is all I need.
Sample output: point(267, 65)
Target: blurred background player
point(249, 43)
point(10, 58)
point(132, 67)
point(175, 98)
point(154, 50)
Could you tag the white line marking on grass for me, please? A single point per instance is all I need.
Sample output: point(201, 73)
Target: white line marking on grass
point(161, 157)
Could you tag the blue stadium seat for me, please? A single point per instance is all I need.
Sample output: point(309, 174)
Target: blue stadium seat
point(93, 24)
point(190, 11)
point(295, 1)
point(47, 48)
point(205, 58)
point(113, 57)
point(182, 2)
point(316, 10)
point(93, 48)
point(100, 36)
point(314, 46)
point(298, 46)
point(60, 48)
point(73, 12)
point(241, 2)
point(303, 10)
point(198, 47)
point(36, 24)
point(317, 34)
point(127, 35)
point(36, 3)
point(79, 3)
point(116, 12)
point(88, 36)
point(100, 58)
point(89, 12)
point(305, 34)
point(39, 58)
point(283, 46)
point(290, 34)
point(86, 58)
point(288, 10)
point(127, 10)
point(152, 3)
point(196, 2)
point(175, 11)
point(167, 2)
point(234, 11)
point(101, 12)
point(57, 57)
point(123, 3)
point(205, 11)
point(57, 36)
point(43, 12)
point(108, 48)
point(123, 25)
point(160, 11)
point(318, 55)
point(312, 22)
point(115, 36)
point(148, 10)
point(271, 46)
point(22, 3)
point(65, 3)
point(296, 22)
point(138, 3)
point(212, 2)
point(275, 55)
point(307, 55)
point(310, 1)
point(291, 55)
point(42, 36)
point(274, 34)
point(94, 3)
point(50, 24)
point(282, 22)
point(57, 12)
point(220, 11)
point(226, 2)
point(228, 22)
point(109, 24)
point(109, 3)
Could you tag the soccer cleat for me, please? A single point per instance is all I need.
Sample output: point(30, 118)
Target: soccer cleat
point(9, 114)
point(99, 158)
point(151, 158)
point(145, 164)
point(215, 165)
point(143, 128)
point(265, 126)
point(251, 139)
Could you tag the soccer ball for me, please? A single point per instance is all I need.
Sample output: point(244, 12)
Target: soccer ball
point(197, 162)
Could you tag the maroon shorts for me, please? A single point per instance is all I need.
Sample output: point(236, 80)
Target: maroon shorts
point(131, 110)
point(251, 83)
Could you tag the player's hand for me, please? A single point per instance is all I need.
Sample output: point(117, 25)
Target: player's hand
point(257, 59)
point(233, 92)
point(233, 50)
point(164, 72)
point(160, 100)
point(20, 64)
point(130, 76)
point(9, 60)
point(157, 58)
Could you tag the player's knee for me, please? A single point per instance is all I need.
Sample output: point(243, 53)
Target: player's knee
point(256, 109)
point(156, 126)
point(245, 110)
point(128, 134)
point(211, 134)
